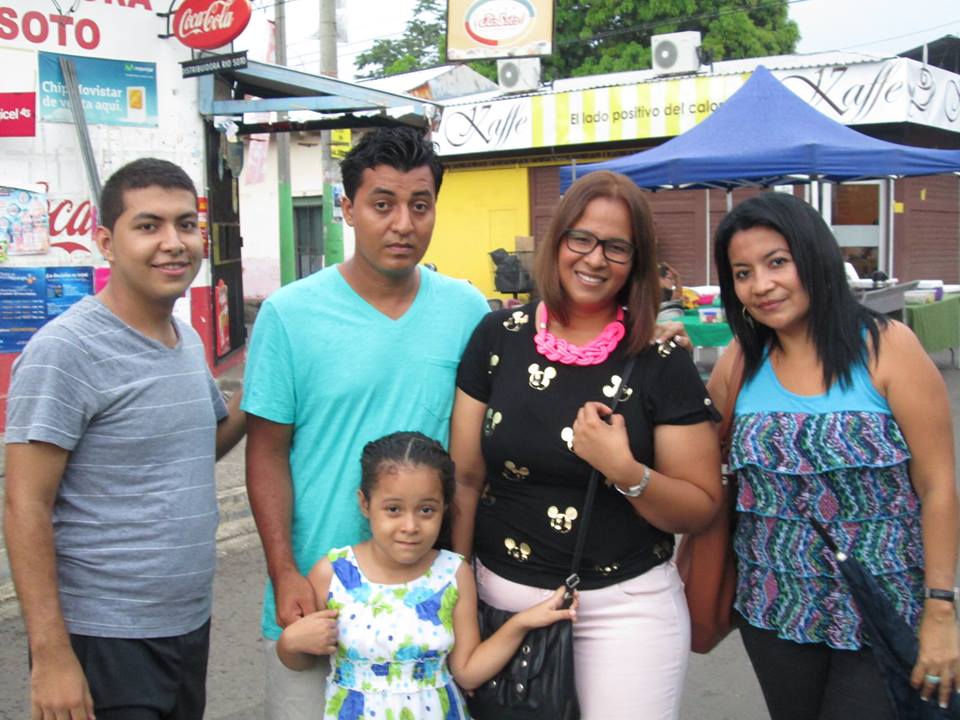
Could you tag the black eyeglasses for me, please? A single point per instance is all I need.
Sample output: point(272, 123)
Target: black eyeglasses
point(583, 242)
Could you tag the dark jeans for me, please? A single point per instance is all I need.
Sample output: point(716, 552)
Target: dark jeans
point(812, 681)
point(146, 679)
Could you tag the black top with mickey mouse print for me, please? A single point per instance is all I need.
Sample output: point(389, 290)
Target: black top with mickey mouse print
point(527, 516)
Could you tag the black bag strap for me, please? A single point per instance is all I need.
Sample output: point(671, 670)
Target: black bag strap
point(573, 579)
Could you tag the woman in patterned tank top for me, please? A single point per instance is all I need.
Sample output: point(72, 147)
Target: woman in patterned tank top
point(842, 418)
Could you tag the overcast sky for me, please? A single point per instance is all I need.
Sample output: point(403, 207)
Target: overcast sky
point(874, 26)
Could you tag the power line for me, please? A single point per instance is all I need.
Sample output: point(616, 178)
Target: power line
point(272, 4)
point(898, 37)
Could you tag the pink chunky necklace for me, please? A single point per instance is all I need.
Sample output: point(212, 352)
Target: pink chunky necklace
point(559, 350)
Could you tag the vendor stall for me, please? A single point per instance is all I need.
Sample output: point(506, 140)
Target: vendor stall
point(937, 325)
point(706, 334)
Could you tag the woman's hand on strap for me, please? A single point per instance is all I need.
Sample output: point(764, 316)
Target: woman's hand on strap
point(600, 438)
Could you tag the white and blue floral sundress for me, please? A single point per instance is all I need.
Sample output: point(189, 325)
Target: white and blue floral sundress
point(391, 660)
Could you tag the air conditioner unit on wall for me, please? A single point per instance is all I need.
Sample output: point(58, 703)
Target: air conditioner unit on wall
point(518, 74)
point(675, 53)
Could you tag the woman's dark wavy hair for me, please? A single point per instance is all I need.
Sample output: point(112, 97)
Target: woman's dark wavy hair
point(405, 449)
point(641, 292)
point(836, 320)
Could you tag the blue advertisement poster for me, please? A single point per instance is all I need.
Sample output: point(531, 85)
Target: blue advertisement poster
point(113, 92)
point(23, 306)
point(65, 286)
point(31, 296)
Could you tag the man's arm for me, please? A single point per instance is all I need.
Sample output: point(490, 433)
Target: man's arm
point(33, 474)
point(270, 489)
point(232, 427)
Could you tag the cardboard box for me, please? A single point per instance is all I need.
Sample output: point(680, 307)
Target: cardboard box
point(524, 243)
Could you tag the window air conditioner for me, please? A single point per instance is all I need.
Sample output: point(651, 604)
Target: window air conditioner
point(675, 53)
point(518, 74)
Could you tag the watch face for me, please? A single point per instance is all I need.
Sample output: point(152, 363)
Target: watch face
point(938, 594)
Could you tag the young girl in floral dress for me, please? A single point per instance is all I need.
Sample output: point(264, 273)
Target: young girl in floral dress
point(398, 617)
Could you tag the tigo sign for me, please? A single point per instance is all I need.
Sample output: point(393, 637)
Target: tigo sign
point(18, 114)
point(208, 24)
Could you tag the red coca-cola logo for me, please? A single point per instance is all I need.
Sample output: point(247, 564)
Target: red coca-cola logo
point(208, 24)
point(73, 220)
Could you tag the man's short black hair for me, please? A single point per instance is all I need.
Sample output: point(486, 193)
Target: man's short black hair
point(402, 148)
point(136, 175)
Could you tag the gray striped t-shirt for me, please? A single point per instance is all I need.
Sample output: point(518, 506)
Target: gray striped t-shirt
point(135, 517)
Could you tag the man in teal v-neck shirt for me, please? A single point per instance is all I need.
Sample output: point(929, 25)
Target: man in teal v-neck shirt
point(342, 357)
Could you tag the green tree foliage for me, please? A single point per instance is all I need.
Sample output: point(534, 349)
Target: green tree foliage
point(423, 45)
point(601, 36)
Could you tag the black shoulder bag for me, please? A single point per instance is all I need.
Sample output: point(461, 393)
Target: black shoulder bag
point(538, 682)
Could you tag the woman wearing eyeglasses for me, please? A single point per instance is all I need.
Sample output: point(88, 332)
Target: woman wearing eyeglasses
point(530, 421)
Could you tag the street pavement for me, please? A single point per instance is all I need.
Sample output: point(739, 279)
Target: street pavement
point(719, 686)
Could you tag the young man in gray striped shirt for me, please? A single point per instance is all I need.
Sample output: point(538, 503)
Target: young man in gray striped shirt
point(113, 427)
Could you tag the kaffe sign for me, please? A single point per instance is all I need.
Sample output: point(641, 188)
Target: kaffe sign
point(642, 110)
point(18, 114)
point(112, 92)
point(208, 24)
point(889, 91)
point(895, 90)
point(499, 28)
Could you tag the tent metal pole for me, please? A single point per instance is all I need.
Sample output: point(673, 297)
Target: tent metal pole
point(891, 187)
point(707, 235)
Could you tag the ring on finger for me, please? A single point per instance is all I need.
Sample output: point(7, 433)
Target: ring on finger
point(932, 679)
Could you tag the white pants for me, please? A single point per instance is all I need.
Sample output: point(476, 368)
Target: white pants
point(631, 641)
point(293, 694)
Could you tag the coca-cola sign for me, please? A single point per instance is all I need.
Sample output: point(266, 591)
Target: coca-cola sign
point(208, 24)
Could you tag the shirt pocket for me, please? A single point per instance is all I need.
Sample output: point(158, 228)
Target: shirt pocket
point(439, 385)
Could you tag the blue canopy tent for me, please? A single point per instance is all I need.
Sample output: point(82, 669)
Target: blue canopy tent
point(765, 135)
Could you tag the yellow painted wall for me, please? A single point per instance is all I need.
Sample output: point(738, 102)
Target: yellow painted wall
point(479, 210)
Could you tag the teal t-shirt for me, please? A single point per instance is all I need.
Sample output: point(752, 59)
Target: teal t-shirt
point(342, 373)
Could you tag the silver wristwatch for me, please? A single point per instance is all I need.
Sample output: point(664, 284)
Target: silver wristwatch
point(638, 489)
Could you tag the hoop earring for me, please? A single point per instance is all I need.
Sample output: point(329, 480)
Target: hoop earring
point(747, 317)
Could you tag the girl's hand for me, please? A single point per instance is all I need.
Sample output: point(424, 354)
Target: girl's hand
point(939, 653)
point(549, 611)
point(600, 438)
point(314, 634)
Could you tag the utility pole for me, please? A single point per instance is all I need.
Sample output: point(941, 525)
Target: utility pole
point(332, 225)
point(288, 249)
